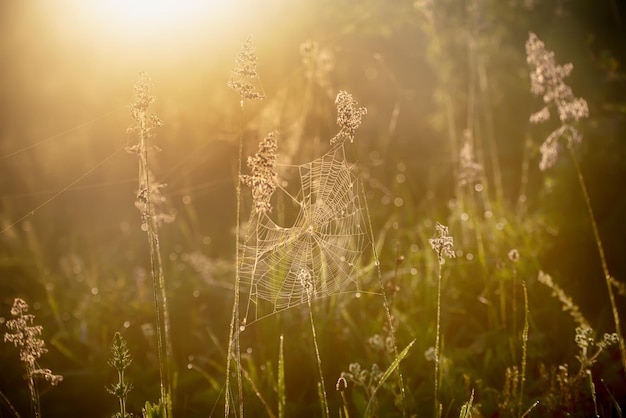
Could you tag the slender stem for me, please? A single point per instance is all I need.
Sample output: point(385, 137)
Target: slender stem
point(387, 306)
point(319, 360)
point(8, 404)
point(437, 338)
point(120, 376)
point(524, 350)
point(34, 394)
point(605, 268)
point(158, 279)
point(233, 337)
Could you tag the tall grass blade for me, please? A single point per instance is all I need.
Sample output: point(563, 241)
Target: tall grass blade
point(392, 367)
point(282, 399)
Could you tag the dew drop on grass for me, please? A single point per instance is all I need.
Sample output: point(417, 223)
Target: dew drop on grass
point(413, 271)
point(196, 293)
point(126, 324)
point(144, 227)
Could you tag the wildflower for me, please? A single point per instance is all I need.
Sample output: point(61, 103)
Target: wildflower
point(443, 243)
point(546, 80)
point(263, 178)
point(244, 71)
point(348, 117)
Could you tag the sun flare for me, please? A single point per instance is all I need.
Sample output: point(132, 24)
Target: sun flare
point(142, 17)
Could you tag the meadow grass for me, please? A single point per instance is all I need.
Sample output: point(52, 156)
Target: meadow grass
point(493, 324)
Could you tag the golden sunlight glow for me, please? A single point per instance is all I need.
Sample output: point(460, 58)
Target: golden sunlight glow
point(148, 17)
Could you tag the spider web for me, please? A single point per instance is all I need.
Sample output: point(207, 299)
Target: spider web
point(320, 254)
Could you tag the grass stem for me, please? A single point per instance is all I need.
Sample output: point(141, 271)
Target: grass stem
point(605, 268)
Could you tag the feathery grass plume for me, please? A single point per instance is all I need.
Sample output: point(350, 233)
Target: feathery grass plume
point(148, 198)
point(120, 360)
point(245, 72)
point(25, 336)
point(263, 178)
point(442, 244)
point(348, 117)
point(546, 80)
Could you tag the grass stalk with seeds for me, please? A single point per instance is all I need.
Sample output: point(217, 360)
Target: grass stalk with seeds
point(147, 197)
point(243, 75)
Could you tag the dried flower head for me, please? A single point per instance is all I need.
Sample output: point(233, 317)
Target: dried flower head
point(263, 178)
point(546, 80)
point(146, 122)
point(25, 336)
point(245, 72)
point(443, 243)
point(348, 117)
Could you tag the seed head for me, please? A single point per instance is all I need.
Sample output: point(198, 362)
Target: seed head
point(443, 243)
point(25, 337)
point(245, 71)
point(348, 117)
point(546, 80)
point(263, 178)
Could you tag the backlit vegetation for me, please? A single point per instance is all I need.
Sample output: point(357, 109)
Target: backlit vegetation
point(405, 218)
